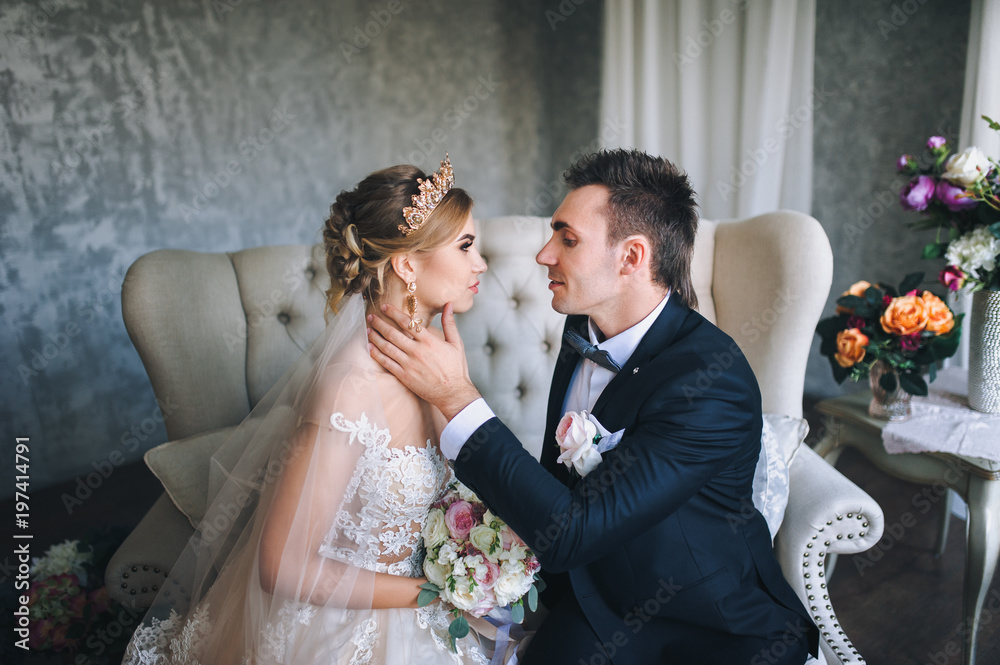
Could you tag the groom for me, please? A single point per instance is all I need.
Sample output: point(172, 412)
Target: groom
point(641, 562)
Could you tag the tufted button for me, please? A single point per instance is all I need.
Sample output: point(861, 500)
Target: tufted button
point(489, 347)
point(546, 345)
point(310, 273)
point(515, 302)
point(519, 392)
point(284, 318)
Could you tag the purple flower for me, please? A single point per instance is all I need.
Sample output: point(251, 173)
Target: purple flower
point(903, 162)
point(936, 142)
point(909, 342)
point(917, 193)
point(956, 198)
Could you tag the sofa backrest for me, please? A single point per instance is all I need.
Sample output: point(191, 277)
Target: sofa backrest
point(215, 331)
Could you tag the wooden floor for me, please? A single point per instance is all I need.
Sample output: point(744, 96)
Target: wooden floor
point(904, 609)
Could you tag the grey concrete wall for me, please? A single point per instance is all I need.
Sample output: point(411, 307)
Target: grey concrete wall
point(892, 75)
point(132, 126)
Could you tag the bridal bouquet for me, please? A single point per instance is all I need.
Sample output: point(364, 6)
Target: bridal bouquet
point(958, 194)
point(475, 561)
point(908, 332)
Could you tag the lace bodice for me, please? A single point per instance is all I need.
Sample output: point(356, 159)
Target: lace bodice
point(398, 484)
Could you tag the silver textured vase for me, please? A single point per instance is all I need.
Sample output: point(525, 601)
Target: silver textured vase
point(984, 352)
point(892, 406)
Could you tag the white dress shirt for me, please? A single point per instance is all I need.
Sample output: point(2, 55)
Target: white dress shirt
point(588, 382)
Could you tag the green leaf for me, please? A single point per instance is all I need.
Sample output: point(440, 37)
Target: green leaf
point(911, 282)
point(934, 250)
point(995, 230)
point(532, 598)
point(517, 612)
point(426, 597)
point(932, 372)
point(852, 301)
point(993, 123)
point(888, 382)
point(539, 584)
point(459, 627)
point(913, 383)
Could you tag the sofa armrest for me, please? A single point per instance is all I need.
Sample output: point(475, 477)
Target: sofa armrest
point(827, 514)
point(137, 570)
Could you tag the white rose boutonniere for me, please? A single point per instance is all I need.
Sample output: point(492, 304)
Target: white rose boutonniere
point(577, 437)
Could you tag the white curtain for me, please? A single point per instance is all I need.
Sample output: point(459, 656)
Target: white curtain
point(981, 97)
point(724, 89)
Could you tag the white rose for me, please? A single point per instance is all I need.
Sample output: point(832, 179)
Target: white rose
point(435, 530)
point(967, 167)
point(458, 567)
point(509, 587)
point(489, 517)
point(465, 596)
point(483, 538)
point(515, 554)
point(465, 494)
point(437, 573)
point(575, 436)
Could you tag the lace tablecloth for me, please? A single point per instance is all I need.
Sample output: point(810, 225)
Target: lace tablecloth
point(943, 422)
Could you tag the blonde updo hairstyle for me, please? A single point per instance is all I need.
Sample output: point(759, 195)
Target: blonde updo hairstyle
point(362, 234)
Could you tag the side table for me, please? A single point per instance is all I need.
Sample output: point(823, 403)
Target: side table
point(975, 479)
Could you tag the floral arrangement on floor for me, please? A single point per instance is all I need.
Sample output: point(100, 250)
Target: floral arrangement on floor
point(69, 608)
point(958, 194)
point(475, 561)
point(909, 332)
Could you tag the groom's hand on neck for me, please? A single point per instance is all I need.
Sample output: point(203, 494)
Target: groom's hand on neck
point(432, 366)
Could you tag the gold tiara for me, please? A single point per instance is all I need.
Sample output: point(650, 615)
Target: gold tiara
point(432, 190)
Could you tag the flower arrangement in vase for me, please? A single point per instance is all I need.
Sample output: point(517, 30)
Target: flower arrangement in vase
point(893, 335)
point(959, 195)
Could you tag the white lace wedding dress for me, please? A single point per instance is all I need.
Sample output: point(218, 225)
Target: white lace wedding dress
point(399, 484)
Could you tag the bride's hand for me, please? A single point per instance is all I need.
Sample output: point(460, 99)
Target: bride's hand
point(431, 365)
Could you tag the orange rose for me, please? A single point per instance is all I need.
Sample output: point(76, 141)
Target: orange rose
point(851, 345)
point(940, 319)
point(857, 289)
point(904, 316)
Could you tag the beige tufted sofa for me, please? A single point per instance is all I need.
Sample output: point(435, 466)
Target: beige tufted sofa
point(215, 331)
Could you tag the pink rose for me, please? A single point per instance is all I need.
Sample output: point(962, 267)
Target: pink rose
point(460, 519)
point(952, 277)
point(508, 538)
point(489, 576)
point(575, 436)
point(903, 162)
point(483, 607)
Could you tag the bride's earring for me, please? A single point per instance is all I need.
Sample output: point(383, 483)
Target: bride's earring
point(411, 306)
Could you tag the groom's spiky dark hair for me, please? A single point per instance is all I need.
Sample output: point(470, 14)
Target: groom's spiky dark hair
point(651, 197)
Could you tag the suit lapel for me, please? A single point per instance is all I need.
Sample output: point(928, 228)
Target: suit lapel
point(562, 374)
point(659, 337)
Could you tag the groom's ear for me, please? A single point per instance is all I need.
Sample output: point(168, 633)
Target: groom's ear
point(636, 254)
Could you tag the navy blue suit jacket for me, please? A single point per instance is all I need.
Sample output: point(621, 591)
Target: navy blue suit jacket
point(654, 543)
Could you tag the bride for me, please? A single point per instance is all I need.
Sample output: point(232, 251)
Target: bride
point(310, 551)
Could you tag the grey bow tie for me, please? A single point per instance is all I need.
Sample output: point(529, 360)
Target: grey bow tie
point(591, 352)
